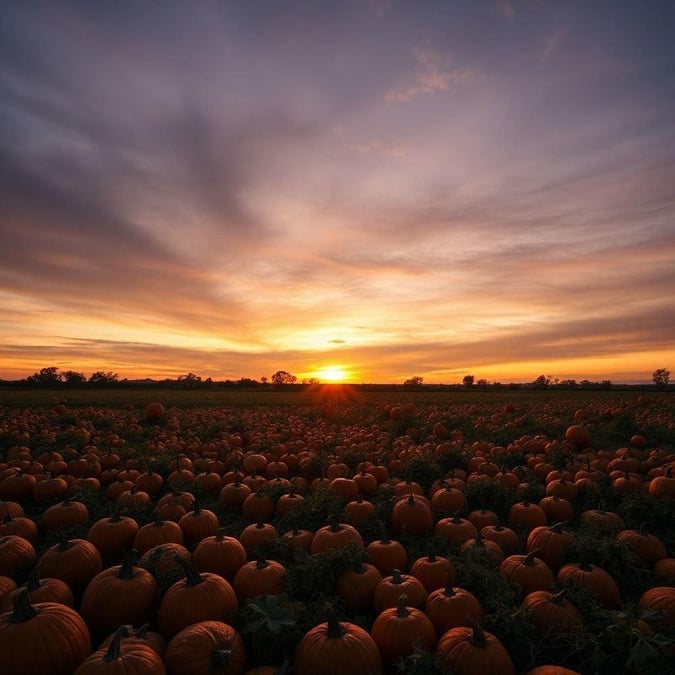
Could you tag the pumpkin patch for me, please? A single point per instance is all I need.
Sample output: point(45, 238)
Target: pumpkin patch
point(404, 532)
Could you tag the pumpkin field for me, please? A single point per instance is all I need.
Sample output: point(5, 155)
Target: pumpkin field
point(332, 530)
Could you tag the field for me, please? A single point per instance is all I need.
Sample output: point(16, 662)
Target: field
point(297, 507)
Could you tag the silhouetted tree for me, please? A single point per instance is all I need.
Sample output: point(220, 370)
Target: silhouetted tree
point(283, 377)
point(542, 382)
point(73, 377)
point(661, 377)
point(100, 377)
point(468, 380)
point(414, 381)
point(45, 376)
point(190, 380)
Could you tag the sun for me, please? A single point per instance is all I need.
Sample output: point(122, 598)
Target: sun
point(332, 374)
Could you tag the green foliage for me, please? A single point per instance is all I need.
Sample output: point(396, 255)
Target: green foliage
point(270, 626)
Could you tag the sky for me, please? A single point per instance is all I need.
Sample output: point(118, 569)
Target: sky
point(382, 187)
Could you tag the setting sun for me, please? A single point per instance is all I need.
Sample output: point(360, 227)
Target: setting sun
point(332, 374)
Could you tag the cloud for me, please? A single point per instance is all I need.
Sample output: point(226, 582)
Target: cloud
point(389, 149)
point(431, 77)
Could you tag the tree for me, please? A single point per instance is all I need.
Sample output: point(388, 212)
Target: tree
point(468, 380)
point(414, 381)
point(482, 382)
point(661, 377)
point(99, 377)
point(190, 380)
point(46, 376)
point(283, 377)
point(542, 382)
point(73, 377)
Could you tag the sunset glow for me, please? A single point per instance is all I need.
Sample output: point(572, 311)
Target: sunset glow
point(332, 374)
point(358, 191)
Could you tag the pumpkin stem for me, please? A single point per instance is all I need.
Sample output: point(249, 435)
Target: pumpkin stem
point(261, 564)
point(33, 581)
point(193, 578)
point(220, 658)
point(220, 534)
point(478, 638)
point(127, 567)
point(557, 527)
point(116, 515)
point(559, 598)
point(333, 627)
point(449, 591)
point(401, 610)
point(64, 544)
point(114, 650)
point(23, 610)
point(384, 538)
point(396, 577)
point(529, 558)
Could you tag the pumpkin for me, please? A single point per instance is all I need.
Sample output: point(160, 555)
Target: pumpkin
point(20, 526)
point(41, 590)
point(450, 607)
point(198, 597)
point(298, 539)
point(75, 561)
point(647, 547)
point(252, 536)
point(356, 586)
point(198, 524)
point(397, 631)
point(123, 594)
point(158, 532)
point(17, 556)
point(551, 670)
point(154, 412)
point(504, 536)
point(120, 658)
point(471, 650)
point(526, 516)
point(578, 435)
point(261, 577)
point(594, 580)
point(337, 647)
point(388, 591)
point(660, 599)
point(336, 535)
point(387, 554)
point(528, 572)
point(204, 648)
point(47, 638)
point(162, 562)
point(113, 536)
point(64, 514)
point(552, 544)
point(663, 487)
point(142, 635)
point(219, 554)
point(412, 515)
point(455, 530)
point(553, 614)
point(433, 571)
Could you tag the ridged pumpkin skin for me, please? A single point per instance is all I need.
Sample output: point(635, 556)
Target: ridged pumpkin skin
point(399, 629)
point(122, 658)
point(43, 639)
point(75, 561)
point(122, 594)
point(660, 599)
point(198, 597)
point(195, 649)
point(337, 648)
point(595, 580)
point(470, 651)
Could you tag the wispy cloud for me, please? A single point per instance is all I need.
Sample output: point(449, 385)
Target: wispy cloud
point(432, 76)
